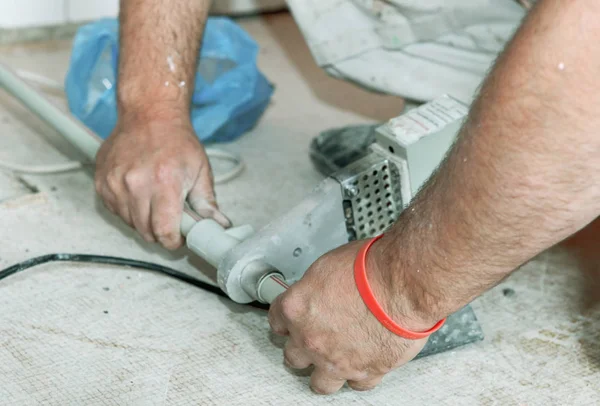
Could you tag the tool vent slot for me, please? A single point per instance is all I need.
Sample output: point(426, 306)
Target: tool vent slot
point(375, 206)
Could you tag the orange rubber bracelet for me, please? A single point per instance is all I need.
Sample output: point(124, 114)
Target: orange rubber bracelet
point(365, 291)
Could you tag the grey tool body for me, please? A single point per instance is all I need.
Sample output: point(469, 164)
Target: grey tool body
point(359, 201)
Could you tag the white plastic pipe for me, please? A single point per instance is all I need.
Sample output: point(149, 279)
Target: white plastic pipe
point(271, 286)
point(211, 241)
point(68, 126)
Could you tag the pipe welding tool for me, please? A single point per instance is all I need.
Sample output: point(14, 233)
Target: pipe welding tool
point(359, 201)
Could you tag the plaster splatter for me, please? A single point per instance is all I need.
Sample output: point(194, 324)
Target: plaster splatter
point(171, 63)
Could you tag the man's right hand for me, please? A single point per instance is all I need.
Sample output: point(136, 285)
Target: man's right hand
point(147, 169)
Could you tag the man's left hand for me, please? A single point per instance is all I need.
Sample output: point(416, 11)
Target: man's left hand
point(330, 327)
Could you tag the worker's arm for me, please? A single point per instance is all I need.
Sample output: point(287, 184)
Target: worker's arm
point(523, 175)
point(153, 161)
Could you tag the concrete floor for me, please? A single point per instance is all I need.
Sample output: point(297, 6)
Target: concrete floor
point(95, 335)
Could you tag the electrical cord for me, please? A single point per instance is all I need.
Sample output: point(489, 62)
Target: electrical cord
point(234, 172)
point(118, 261)
point(41, 169)
point(212, 153)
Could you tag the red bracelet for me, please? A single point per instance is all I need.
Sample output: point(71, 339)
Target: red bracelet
point(365, 291)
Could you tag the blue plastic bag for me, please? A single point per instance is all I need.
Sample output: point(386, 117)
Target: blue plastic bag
point(230, 93)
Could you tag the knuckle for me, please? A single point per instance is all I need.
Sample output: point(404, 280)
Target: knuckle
point(276, 327)
point(359, 375)
point(165, 171)
point(113, 180)
point(134, 179)
point(341, 365)
point(296, 358)
point(313, 344)
point(291, 308)
point(162, 229)
point(167, 237)
point(289, 358)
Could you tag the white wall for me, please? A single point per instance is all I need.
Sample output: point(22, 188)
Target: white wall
point(32, 13)
point(23, 13)
point(84, 10)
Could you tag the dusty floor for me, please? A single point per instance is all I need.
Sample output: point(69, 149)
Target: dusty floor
point(93, 335)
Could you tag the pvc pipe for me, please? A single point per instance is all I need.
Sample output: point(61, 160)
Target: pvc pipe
point(209, 240)
point(271, 286)
point(67, 125)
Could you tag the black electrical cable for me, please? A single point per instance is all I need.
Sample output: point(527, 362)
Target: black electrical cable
point(125, 262)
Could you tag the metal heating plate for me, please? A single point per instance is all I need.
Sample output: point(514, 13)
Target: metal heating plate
point(372, 199)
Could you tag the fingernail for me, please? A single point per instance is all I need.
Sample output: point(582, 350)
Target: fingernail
point(222, 219)
point(205, 209)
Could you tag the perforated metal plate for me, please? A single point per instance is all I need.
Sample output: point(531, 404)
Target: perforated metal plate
point(372, 196)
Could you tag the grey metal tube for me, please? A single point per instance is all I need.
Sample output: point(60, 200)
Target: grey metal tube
point(68, 126)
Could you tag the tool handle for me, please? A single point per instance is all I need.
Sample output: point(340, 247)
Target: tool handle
point(67, 125)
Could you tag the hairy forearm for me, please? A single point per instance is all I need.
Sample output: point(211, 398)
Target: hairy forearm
point(160, 43)
point(523, 175)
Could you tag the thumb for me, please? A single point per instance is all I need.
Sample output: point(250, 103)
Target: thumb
point(203, 201)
